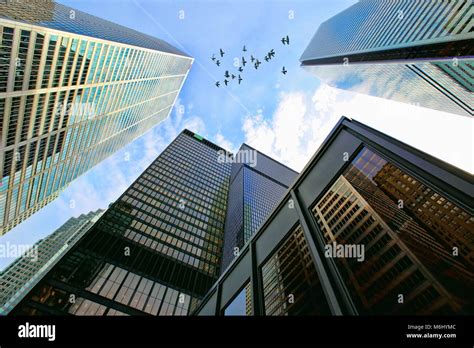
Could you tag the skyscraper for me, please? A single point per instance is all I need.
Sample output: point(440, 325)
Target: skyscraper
point(74, 89)
point(257, 184)
point(21, 275)
point(418, 52)
point(156, 250)
point(371, 226)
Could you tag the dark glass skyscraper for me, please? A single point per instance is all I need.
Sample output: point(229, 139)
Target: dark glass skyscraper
point(257, 184)
point(370, 227)
point(156, 250)
point(418, 52)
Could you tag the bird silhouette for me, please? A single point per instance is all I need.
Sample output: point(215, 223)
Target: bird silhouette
point(226, 82)
point(221, 52)
point(284, 71)
point(285, 40)
point(217, 84)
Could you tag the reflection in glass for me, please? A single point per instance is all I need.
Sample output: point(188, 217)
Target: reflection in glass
point(418, 244)
point(241, 304)
point(290, 283)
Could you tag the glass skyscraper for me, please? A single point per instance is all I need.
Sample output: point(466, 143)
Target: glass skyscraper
point(418, 52)
point(370, 227)
point(257, 185)
point(156, 250)
point(21, 275)
point(74, 89)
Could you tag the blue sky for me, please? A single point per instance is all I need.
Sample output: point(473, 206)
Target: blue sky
point(285, 116)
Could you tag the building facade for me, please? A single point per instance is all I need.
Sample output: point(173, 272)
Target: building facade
point(417, 52)
point(74, 89)
point(155, 251)
point(23, 274)
point(370, 227)
point(257, 185)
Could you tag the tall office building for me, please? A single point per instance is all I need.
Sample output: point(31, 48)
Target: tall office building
point(418, 52)
point(370, 227)
point(156, 250)
point(74, 89)
point(23, 274)
point(257, 184)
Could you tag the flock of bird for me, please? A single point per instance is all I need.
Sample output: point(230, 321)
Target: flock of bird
point(228, 76)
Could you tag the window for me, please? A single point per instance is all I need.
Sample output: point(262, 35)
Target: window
point(407, 246)
point(241, 304)
point(290, 283)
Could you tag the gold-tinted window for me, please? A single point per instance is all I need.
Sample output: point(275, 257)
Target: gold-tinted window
point(417, 245)
point(290, 283)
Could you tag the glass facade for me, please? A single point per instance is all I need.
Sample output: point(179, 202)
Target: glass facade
point(257, 185)
point(21, 275)
point(418, 52)
point(410, 235)
point(241, 305)
point(388, 230)
point(155, 251)
point(73, 90)
point(290, 283)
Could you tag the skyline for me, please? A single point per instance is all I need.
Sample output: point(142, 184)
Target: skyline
point(279, 116)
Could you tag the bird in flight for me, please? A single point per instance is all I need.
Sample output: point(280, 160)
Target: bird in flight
point(221, 52)
point(252, 58)
point(284, 71)
point(244, 61)
point(217, 84)
point(244, 49)
point(232, 76)
point(226, 82)
point(267, 58)
point(240, 79)
point(213, 57)
point(241, 69)
point(227, 74)
point(285, 40)
point(271, 53)
point(218, 63)
point(257, 64)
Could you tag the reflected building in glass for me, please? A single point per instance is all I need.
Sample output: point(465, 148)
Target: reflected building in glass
point(406, 258)
point(74, 89)
point(257, 185)
point(156, 250)
point(410, 215)
point(417, 52)
point(22, 275)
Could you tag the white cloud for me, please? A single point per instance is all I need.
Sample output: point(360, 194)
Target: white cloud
point(226, 144)
point(302, 121)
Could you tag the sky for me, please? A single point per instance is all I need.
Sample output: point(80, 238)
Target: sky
point(284, 116)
